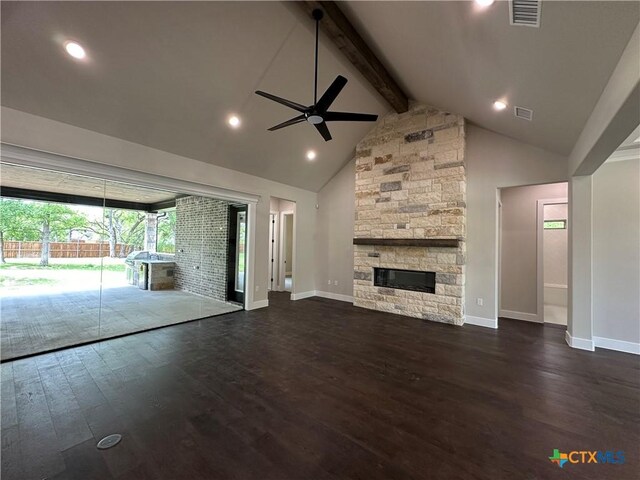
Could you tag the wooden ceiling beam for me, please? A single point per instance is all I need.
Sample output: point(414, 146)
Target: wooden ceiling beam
point(343, 34)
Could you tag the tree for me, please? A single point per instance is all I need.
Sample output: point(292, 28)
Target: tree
point(15, 223)
point(28, 221)
point(55, 222)
point(167, 232)
point(120, 226)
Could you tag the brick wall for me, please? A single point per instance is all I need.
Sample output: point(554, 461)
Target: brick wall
point(411, 183)
point(202, 234)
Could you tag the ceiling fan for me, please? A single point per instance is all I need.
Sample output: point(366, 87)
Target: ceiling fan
point(318, 113)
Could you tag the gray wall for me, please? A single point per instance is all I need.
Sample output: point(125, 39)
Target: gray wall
point(336, 217)
point(202, 235)
point(519, 245)
point(495, 161)
point(616, 251)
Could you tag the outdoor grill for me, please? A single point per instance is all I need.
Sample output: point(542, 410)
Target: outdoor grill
point(150, 271)
point(136, 255)
point(132, 271)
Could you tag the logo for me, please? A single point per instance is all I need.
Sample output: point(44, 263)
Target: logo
point(558, 458)
point(587, 456)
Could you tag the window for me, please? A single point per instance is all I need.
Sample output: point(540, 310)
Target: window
point(555, 224)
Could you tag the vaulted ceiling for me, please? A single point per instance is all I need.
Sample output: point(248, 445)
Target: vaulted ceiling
point(459, 57)
point(168, 74)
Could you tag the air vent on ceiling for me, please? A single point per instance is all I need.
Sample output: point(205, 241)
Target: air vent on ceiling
point(525, 12)
point(524, 113)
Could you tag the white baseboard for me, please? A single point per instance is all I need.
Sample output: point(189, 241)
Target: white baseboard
point(527, 317)
point(335, 296)
point(481, 321)
point(301, 295)
point(257, 304)
point(618, 345)
point(579, 343)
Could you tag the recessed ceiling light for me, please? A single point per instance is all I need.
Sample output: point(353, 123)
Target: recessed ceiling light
point(311, 155)
point(499, 105)
point(484, 3)
point(75, 50)
point(234, 121)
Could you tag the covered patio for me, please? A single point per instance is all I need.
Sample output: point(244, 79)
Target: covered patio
point(37, 321)
point(74, 297)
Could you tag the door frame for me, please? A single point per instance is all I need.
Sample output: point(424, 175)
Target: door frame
point(540, 250)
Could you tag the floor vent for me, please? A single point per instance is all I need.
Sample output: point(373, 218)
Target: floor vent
point(109, 441)
point(525, 12)
point(524, 113)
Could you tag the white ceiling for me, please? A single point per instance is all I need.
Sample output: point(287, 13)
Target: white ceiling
point(461, 58)
point(167, 74)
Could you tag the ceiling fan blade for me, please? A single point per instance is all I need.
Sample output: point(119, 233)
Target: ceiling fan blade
point(293, 121)
point(283, 101)
point(349, 117)
point(331, 93)
point(324, 131)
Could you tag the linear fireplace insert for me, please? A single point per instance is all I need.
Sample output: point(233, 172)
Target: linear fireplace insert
point(405, 279)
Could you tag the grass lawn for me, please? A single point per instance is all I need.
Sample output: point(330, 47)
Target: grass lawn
point(63, 266)
point(26, 272)
point(241, 261)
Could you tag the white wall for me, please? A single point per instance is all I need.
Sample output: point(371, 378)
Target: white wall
point(336, 217)
point(519, 261)
point(495, 161)
point(616, 251)
point(39, 133)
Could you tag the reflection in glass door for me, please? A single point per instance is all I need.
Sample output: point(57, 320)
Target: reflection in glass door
point(236, 253)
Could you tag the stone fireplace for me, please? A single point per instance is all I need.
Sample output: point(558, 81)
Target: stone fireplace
point(410, 214)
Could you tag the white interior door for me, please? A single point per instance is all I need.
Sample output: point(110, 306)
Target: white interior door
point(554, 274)
point(286, 252)
point(274, 256)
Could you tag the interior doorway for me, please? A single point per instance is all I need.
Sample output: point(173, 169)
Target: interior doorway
point(553, 227)
point(281, 245)
point(533, 251)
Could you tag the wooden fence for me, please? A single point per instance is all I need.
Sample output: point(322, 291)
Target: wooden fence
point(13, 249)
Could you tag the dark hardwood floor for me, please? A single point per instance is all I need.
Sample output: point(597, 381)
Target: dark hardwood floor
point(318, 389)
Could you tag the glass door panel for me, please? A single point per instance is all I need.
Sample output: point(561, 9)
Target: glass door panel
point(236, 260)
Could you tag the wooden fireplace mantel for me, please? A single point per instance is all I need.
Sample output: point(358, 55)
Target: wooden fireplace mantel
point(408, 242)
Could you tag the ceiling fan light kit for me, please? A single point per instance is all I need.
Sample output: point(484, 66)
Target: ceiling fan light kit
point(318, 114)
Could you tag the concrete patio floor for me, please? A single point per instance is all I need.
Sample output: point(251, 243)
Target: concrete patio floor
point(41, 322)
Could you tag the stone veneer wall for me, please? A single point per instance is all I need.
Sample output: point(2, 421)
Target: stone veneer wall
point(411, 183)
point(202, 233)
